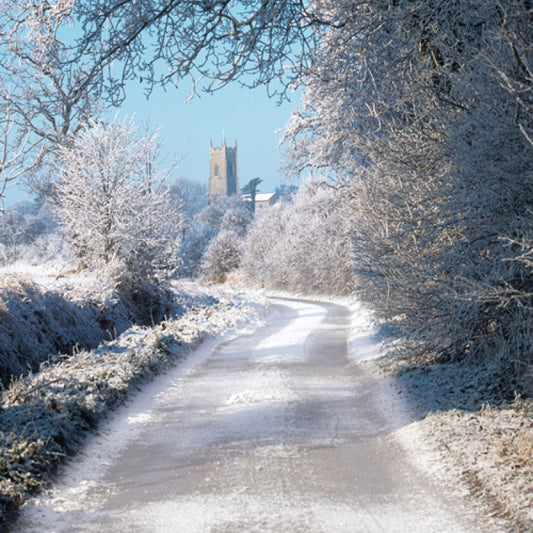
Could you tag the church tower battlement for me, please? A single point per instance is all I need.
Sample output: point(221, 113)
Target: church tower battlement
point(223, 173)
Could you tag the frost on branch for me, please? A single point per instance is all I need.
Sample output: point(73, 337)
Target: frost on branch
point(112, 203)
point(423, 112)
point(47, 97)
point(304, 246)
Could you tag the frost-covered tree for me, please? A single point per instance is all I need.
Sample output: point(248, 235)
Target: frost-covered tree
point(286, 191)
point(49, 98)
point(302, 246)
point(228, 218)
point(222, 214)
point(217, 41)
point(213, 214)
point(374, 116)
point(112, 203)
point(421, 111)
point(236, 219)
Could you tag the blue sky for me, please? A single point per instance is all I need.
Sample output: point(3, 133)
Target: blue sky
point(248, 116)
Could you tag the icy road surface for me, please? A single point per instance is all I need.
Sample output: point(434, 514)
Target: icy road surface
point(277, 430)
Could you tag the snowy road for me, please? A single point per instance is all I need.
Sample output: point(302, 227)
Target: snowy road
point(276, 430)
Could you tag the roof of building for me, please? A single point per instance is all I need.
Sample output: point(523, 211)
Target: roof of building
point(264, 196)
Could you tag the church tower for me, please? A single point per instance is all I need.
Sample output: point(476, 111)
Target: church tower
point(223, 175)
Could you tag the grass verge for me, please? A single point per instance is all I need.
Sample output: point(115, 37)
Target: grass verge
point(480, 439)
point(45, 416)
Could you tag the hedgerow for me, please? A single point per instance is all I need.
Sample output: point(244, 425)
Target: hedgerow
point(45, 416)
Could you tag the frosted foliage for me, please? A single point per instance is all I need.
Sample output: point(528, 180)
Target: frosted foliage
point(223, 223)
point(303, 246)
point(111, 202)
point(44, 96)
point(214, 42)
point(422, 113)
point(222, 256)
point(37, 323)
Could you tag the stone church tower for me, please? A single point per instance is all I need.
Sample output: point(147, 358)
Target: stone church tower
point(223, 175)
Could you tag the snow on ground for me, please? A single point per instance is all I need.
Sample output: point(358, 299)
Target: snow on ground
point(293, 337)
point(44, 416)
point(364, 342)
point(52, 275)
point(484, 451)
point(117, 430)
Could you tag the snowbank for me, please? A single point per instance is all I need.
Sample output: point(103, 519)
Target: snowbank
point(50, 309)
point(37, 322)
point(44, 416)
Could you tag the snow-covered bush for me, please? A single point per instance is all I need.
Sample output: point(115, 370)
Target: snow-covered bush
point(115, 213)
point(224, 215)
point(112, 204)
point(262, 262)
point(80, 311)
point(47, 248)
point(222, 256)
point(302, 246)
point(12, 236)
